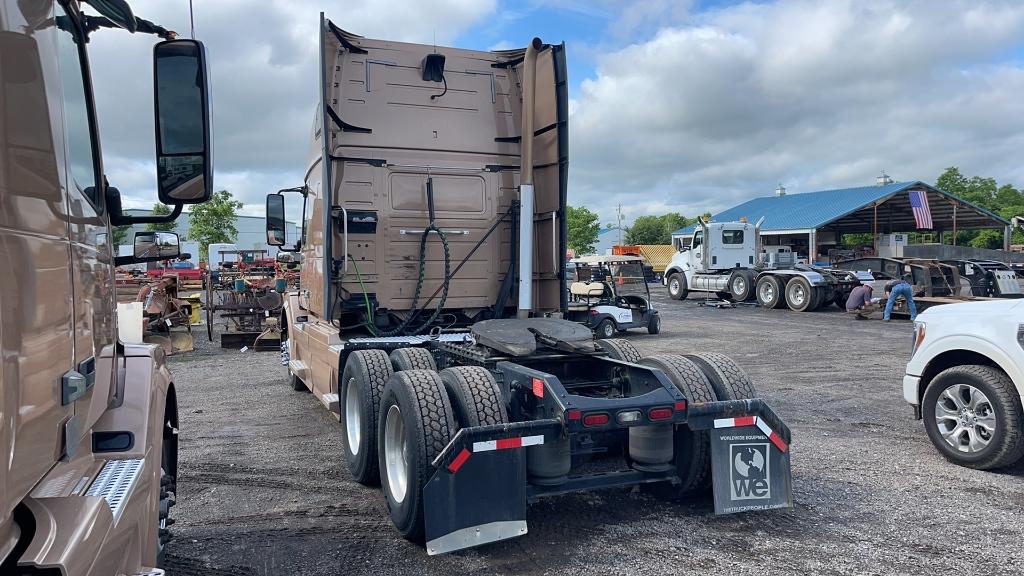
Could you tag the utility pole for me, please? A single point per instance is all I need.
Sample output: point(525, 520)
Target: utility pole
point(618, 222)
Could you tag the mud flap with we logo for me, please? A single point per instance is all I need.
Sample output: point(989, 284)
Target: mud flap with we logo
point(750, 466)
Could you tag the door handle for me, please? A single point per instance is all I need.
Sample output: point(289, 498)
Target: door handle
point(75, 383)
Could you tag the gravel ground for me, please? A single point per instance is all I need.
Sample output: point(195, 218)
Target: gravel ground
point(262, 489)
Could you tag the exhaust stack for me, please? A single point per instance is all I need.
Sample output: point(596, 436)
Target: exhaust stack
point(526, 181)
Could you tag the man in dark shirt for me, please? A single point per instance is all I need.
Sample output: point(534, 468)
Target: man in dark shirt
point(894, 289)
point(860, 303)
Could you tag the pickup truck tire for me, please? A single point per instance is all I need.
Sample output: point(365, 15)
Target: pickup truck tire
point(677, 289)
point(770, 293)
point(412, 359)
point(359, 392)
point(474, 395)
point(692, 448)
point(729, 381)
point(619, 349)
point(416, 423)
point(972, 394)
point(799, 295)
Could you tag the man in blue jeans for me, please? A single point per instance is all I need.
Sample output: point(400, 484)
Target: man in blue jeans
point(894, 289)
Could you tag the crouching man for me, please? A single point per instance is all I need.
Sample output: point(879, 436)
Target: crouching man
point(860, 302)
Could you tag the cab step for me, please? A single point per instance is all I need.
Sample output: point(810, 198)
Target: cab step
point(115, 482)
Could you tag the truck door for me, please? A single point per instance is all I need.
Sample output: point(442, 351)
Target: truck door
point(92, 260)
point(35, 267)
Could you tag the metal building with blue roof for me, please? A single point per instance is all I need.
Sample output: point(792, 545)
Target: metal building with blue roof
point(816, 221)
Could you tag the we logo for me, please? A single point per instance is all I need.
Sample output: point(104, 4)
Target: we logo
point(749, 475)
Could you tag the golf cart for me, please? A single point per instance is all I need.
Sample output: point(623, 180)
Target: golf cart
point(609, 294)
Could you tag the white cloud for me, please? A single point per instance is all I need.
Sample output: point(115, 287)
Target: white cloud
point(811, 94)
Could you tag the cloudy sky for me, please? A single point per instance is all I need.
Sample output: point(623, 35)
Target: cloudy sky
point(675, 105)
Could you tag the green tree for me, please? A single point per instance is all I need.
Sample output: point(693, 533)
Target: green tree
point(162, 210)
point(655, 229)
point(583, 229)
point(120, 234)
point(1005, 200)
point(214, 221)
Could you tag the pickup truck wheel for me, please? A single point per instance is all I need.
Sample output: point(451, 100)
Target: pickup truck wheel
point(416, 424)
point(769, 292)
point(677, 289)
point(605, 328)
point(474, 395)
point(973, 416)
point(412, 359)
point(692, 448)
point(362, 383)
point(729, 381)
point(799, 295)
point(619, 349)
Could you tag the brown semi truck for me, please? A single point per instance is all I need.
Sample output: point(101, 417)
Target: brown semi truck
point(430, 314)
point(87, 424)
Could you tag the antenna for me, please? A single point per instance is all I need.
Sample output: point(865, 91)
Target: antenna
point(191, 19)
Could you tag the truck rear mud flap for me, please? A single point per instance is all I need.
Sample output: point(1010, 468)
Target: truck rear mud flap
point(480, 492)
point(750, 464)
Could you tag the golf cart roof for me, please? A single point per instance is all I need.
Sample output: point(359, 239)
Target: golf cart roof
point(605, 259)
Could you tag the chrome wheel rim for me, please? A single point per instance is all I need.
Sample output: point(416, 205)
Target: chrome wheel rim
point(799, 295)
point(673, 286)
point(353, 417)
point(609, 331)
point(965, 418)
point(767, 292)
point(739, 285)
point(396, 454)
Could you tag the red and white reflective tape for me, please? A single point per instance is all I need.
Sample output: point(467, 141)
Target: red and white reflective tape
point(753, 421)
point(505, 443)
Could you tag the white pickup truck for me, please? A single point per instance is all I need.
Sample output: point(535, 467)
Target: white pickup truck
point(965, 378)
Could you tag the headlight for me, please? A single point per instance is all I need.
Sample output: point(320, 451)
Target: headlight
point(919, 329)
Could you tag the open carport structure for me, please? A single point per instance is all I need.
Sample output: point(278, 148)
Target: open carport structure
point(814, 222)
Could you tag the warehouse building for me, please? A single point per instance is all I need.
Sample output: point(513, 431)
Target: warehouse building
point(813, 223)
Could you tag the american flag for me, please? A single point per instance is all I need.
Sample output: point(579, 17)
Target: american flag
point(922, 213)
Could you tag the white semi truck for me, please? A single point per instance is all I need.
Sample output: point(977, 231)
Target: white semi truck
point(726, 258)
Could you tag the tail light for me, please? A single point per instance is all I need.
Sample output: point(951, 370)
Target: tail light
point(591, 420)
point(660, 414)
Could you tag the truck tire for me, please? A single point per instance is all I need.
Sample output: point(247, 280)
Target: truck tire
point(677, 289)
point(799, 296)
point(692, 457)
point(474, 395)
point(975, 394)
point(740, 286)
point(619, 349)
point(654, 325)
point(416, 424)
point(359, 392)
point(729, 381)
point(412, 359)
point(605, 328)
point(839, 299)
point(769, 292)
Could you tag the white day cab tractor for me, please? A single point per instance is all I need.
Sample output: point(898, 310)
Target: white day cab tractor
point(726, 259)
point(609, 294)
point(88, 424)
point(431, 311)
